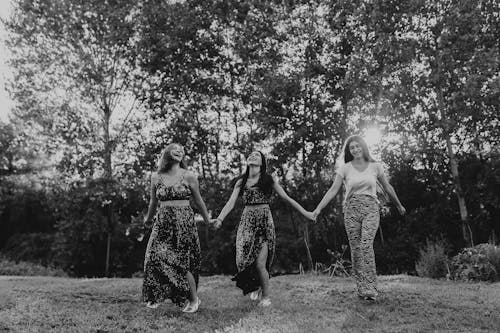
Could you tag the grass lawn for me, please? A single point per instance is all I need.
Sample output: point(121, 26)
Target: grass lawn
point(301, 303)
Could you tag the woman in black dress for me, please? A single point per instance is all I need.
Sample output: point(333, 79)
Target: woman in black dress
point(255, 239)
point(172, 260)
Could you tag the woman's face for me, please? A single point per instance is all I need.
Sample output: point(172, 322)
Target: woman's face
point(177, 152)
point(254, 159)
point(355, 149)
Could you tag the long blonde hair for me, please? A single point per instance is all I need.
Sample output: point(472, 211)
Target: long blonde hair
point(166, 161)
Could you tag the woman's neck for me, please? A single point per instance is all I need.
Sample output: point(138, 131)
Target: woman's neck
point(359, 160)
point(174, 169)
point(253, 173)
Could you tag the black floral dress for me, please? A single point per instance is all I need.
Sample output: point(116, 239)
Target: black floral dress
point(173, 248)
point(256, 228)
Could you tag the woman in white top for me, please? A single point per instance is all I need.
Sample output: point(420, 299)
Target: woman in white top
point(361, 210)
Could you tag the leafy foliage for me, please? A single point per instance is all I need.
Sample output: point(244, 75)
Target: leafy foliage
point(433, 261)
point(479, 263)
point(101, 87)
point(23, 268)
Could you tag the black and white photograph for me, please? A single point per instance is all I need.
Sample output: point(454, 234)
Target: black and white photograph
point(249, 166)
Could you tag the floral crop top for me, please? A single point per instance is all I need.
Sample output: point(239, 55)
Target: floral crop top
point(255, 196)
point(177, 191)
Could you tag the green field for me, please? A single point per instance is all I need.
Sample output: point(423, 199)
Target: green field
point(301, 303)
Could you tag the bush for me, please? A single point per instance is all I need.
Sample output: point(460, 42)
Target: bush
point(8, 267)
point(479, 263)
point(433, 261)
point(493, 254)
point(138, 274)
point(31, 247)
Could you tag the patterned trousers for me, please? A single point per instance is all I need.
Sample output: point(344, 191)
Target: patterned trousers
point(361, 219)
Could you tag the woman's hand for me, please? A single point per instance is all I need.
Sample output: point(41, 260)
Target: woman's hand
point(216, 223)
point(401, 210)
point(310, 216)
point(147, 222)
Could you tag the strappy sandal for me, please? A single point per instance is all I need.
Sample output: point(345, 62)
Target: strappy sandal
point(192, 308)
point(255, 295)
point(265, 302)
point(152, 305)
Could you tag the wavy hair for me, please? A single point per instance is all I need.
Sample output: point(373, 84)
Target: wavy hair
point(165, 162)
point(364, 147)
point(265, 182)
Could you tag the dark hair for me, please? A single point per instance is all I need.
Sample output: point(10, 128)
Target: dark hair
point(265, 182)
point(347, 154)
point(166, 161)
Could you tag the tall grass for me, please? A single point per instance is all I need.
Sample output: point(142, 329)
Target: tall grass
point(433, 261)
point(493, 254)
point(9, 267)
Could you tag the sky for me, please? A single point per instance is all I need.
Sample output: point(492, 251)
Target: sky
point(5, 102)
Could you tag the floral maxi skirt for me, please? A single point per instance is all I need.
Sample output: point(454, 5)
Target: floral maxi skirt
point(173, 250)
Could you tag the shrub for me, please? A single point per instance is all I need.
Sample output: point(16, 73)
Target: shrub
point(138, 274)
point(479, 263)
point(433, 261)
point(31, 247)
point(493, 254)
point(337, 266)
point(8, 267)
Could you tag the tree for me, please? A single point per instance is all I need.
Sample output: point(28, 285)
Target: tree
point(444, 92)
point(72, 72)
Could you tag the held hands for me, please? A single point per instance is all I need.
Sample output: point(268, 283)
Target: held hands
point(311, 216)
point(216, 223)
point(147, 222)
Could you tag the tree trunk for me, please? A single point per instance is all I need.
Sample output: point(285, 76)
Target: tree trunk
point(204, 175)
point(236, 128)
point(308, 251)
point(108, 178)
point(217, 146)
point(304, 165)
point(108, 249)
point(343, 123)
point(464, 216)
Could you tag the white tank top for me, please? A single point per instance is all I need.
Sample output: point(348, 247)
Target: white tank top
point(360, 182)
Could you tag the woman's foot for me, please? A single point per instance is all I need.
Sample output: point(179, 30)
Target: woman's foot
point(265, 302)
point(192, 307)
point(369, 298)
point(152, 305)
point(255, 295)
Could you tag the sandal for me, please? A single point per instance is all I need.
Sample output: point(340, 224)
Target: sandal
point(152, 305)
point(192, 308)
point(265, 302)
point(255, 295)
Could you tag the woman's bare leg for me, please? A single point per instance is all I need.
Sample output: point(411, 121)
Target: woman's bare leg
point(193, 295)
point(262, 270)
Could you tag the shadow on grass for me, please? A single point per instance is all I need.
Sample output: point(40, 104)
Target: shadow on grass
point(210, 317)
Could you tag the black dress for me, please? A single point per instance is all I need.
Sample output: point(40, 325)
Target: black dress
point(256, 228)
point(173, 248)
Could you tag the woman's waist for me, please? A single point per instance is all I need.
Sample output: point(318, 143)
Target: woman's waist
point(174, 203)
point(251, 205)
point(372, 194)
point(361, 197)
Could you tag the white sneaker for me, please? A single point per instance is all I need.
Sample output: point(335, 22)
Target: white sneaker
point(265, 302)
point(152, 305)
point(192, 308)
point(255, 295)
